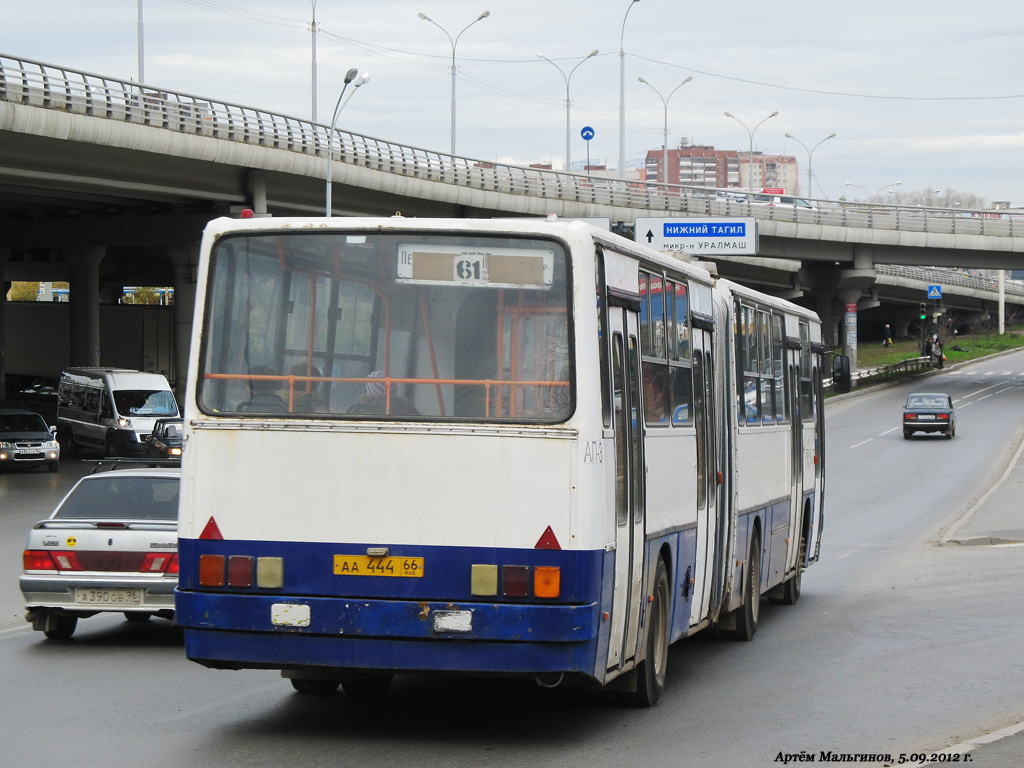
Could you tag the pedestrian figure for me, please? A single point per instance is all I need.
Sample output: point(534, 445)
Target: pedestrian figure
point(888, 336)
point(937, 357)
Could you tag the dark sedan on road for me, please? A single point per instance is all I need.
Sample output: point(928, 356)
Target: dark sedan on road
point(929, 412)
point(166, 440)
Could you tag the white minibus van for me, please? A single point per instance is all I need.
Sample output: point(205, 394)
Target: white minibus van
point(111, 409)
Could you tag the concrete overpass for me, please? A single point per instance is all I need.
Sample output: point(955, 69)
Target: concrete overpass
point(106, 183)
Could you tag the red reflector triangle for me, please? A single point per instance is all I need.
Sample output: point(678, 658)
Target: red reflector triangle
point(211, 531)
point(547, 540)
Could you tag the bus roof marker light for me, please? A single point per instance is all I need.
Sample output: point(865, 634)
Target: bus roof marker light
point(211, 531)
point(547, 540)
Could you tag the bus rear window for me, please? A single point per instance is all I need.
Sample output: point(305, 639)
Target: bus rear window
point(387, 326)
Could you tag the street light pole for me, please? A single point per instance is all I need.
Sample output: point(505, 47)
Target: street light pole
point(871, 198)
point(454, 41)
point(664, 102)
point(622, 93)
point(352, 76)
point(142, 46)
point(567, 78)
point(313, 28)
point(750, 133)
point(810, 155)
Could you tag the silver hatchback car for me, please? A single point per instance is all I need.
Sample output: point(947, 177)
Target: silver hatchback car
point(110, 546)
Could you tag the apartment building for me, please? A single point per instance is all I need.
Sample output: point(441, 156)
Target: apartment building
point(705, 166)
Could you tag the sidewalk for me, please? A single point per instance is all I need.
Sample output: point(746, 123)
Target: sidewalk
point(998, 516)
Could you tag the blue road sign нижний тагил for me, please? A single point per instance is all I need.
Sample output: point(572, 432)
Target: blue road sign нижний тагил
point(697, 235)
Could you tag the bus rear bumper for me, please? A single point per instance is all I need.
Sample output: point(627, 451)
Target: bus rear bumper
point(250, 632)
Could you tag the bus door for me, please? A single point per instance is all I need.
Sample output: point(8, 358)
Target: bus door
point(797, 467)
point(627, 415)
point(707, 474)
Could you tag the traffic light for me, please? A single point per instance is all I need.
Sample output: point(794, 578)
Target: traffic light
point(923, 314)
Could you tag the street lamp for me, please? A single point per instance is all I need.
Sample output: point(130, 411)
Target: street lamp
point(141, 46)
point(454, 43)
point(810, 156)
point(622, 93)
point(664, 102)
point(871, 198)
point(352, 76)
point(313, 28)
point(567, 78)
point(750, 133)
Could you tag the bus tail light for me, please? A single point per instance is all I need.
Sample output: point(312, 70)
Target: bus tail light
point(239, 571)
point(211, 570)
point(172, 567)
point(483, 579)
point(515, 581)
point(270, 572)
point(546, 581)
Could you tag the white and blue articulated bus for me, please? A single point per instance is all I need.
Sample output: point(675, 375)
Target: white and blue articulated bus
point(490, 447)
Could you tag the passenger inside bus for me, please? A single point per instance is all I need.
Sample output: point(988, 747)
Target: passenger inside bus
point(376, 399)
point(261, 393)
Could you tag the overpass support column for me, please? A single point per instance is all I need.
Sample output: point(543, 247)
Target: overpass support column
point(256, 181)
point(84, 262)
point(5, 253)
point(848, 299)
point(184, 306)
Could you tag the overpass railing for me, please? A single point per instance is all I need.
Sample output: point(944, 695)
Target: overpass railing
point(49, 86)
point(949, 278)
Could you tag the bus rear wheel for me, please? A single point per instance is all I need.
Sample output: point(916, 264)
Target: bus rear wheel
point(746, 621)
point(650, 674)
point(314, 687)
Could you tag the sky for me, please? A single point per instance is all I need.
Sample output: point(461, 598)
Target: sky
point(926, 93)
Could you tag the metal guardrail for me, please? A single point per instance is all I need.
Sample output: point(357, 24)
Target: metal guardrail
point(883, 372)
point(49, 86)
point(949, 278)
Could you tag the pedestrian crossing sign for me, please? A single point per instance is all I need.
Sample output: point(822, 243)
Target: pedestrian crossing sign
point(934, 291)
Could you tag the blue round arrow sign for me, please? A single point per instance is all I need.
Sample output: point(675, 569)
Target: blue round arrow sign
point(587, 133)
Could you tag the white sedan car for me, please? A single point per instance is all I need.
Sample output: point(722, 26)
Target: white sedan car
point(110, 546)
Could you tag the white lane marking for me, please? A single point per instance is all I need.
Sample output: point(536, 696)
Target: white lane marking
point(984, 389)
point(979, 741)
point(15, 629)
point(894, 429)
point(863, 442)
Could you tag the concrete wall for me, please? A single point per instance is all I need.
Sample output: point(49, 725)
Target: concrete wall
point(38, 338)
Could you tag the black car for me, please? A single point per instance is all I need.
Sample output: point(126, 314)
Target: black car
point(26, 441)
point(929, 412)
point(166, 440)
